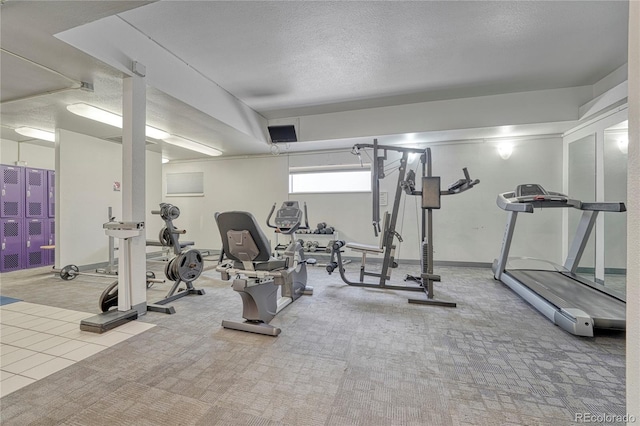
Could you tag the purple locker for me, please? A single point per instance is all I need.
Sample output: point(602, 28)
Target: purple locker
point(11, 240)
point(34, 233)
point(50, 240)
point(12, 192)
point(35, 193)
point(51, 184)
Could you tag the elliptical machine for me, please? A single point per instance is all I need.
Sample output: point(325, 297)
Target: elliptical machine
point(258, 275)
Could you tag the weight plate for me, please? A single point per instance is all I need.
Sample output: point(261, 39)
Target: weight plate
point(69, 272)
point(188, 266)
point(168, 271)
point(165, 237)
point(109, 297)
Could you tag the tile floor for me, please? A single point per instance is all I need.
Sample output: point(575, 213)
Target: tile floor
point(38, 340)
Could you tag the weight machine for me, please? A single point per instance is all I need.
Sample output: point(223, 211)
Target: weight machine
point(430, 194)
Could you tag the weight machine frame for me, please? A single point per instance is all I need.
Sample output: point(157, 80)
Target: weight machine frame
point(430, 201)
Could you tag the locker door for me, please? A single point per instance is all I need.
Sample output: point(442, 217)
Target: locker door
point(11, 192)
point(11, 245)
point(34, 232)
point(36, 193)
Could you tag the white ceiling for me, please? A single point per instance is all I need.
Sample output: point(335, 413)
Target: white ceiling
point(288, 59)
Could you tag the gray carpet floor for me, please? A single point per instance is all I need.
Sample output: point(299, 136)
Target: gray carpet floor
point(346, 356)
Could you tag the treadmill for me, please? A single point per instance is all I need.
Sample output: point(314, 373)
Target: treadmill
point(575, 304)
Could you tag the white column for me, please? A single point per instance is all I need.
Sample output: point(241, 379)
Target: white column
point(633, 217)
point(133, 192)
point(599, 234)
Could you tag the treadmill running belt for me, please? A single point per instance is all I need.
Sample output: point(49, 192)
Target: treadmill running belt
point(566, 292)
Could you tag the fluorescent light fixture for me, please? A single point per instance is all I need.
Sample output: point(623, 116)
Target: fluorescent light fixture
point(165, 160)
point(36, 133)
point(192, 145)
point(505, 150)
point(106, 117)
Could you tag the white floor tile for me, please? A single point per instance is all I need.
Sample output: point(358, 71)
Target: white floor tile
point(135, 327)
point(18, 336)
point(14, 356)
point(28, 341)
point(50, 324)
point(84, 352)
point(14, 383)
point(74, 316)
point(15, 318)
point(8, 330)
point(7, 349)
point(27, 363)
point(47, 368)
point(5, 375)
point(64, 328)
point(33, 321)
point(47, 344)
point(65, 347)
point(111, 338)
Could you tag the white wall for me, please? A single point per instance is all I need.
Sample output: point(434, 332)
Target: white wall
point(468, 228)
point(38, 156)
point(248, 184)
point(86, 168)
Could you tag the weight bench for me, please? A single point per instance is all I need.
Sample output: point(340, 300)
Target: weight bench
point(365, 249)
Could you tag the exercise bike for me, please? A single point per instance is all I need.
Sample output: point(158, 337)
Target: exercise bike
point(258, 275)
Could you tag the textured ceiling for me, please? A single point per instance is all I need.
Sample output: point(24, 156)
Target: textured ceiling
point(284, 55)
point(291, 58)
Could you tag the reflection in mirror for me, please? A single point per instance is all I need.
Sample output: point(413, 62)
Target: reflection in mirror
point(615, 190)
point(582, 186)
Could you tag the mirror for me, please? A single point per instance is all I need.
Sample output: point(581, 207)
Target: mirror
point(615, 190)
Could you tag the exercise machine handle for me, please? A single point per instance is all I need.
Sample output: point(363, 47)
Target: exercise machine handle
point(306, 217)
point(271, 214)
point(155, 211)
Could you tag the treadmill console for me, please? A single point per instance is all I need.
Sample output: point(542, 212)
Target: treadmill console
point(530, 189)
point(289, 217)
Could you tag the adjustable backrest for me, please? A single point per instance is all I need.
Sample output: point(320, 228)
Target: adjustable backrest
point(242, 221)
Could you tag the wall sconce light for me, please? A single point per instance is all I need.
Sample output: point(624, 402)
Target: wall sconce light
point(623, 145)
point(505, 150)
point(36, 133)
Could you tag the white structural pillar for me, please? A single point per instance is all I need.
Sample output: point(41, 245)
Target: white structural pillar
point(133, 192)
point(633, 217)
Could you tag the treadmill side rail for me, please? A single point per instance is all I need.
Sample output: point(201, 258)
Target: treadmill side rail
point(575, 321)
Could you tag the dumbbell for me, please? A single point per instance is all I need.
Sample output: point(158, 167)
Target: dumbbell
point(314, 246)
point(321, 226)
point(307, 246)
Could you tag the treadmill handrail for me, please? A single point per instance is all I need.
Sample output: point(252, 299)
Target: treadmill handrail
point(604, 207)
point(509, 202)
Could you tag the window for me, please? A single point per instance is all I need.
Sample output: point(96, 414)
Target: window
point(329, 179)
point(185, 184)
